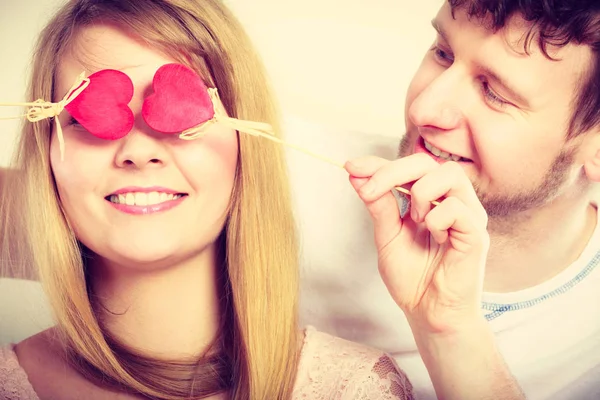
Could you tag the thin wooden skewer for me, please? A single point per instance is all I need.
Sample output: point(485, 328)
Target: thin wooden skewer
point(326, 159)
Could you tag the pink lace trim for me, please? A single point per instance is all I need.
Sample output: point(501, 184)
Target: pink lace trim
point(14, 384)
point(333, 368)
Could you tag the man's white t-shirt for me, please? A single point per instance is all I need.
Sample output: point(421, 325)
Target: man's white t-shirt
point(549, 334)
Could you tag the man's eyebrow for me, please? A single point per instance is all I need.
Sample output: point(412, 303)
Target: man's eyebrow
point(439, 29)
point(500, 81)
point(487, 71)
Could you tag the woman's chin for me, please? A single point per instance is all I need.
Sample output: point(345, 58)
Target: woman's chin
point(146, 258)
point(147, 252)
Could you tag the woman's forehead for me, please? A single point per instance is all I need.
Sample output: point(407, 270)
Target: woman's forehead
point(100, 47)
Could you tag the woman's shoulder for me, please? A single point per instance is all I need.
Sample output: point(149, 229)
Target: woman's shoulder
point(323, 346)
point(35, 367)
point(14, 383)
point(332, 365)
point(41, 369)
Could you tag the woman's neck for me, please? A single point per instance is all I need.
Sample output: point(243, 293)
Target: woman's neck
point(170, 313)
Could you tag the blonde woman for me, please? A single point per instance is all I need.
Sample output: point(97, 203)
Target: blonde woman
point(197, 298)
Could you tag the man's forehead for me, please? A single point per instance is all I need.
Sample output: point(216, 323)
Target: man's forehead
point(505, 52)
point(521, 36)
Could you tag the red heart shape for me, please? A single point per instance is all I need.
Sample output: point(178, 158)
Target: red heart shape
point(180, 100)
point(102, 108)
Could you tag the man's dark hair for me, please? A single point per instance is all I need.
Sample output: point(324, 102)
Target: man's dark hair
point(553, 23)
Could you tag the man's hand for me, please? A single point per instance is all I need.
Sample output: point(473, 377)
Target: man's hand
point(432, 262)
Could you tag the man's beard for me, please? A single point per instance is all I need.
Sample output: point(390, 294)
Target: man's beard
point(506, 206)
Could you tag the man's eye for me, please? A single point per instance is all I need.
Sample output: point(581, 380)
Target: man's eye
point(442, 55)
point(492, 97)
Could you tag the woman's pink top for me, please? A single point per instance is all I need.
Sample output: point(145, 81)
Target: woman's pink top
point(330, 368)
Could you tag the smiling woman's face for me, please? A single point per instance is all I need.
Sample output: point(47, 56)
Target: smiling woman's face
point(122, 197)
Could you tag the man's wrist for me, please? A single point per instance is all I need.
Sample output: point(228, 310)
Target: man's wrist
point(465, 363)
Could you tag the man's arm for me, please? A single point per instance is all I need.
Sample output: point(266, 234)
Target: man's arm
point(466, 364)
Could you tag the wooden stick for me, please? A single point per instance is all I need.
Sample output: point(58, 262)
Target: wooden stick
point(326, 159)
point(41, 109)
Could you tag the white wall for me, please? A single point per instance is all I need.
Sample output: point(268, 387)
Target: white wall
point(20, 22)
point(346, 63)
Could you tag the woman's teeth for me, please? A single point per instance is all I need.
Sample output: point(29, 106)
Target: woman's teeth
point(143, 199)
point(441, 154)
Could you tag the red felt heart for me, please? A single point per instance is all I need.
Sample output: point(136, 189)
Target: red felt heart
point(102, 108)
point(180, 100)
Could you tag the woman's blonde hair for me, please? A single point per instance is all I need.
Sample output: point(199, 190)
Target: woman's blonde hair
point(259, 349)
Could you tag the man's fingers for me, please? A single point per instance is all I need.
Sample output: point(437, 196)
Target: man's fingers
point(455, 221)
point(385, 175)
point(374, 179)
point(384, 212)
point(365, 167)
point(448, 180)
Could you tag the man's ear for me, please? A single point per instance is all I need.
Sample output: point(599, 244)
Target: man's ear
point(591, 161)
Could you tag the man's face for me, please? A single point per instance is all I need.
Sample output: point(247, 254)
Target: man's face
point(505, 113)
